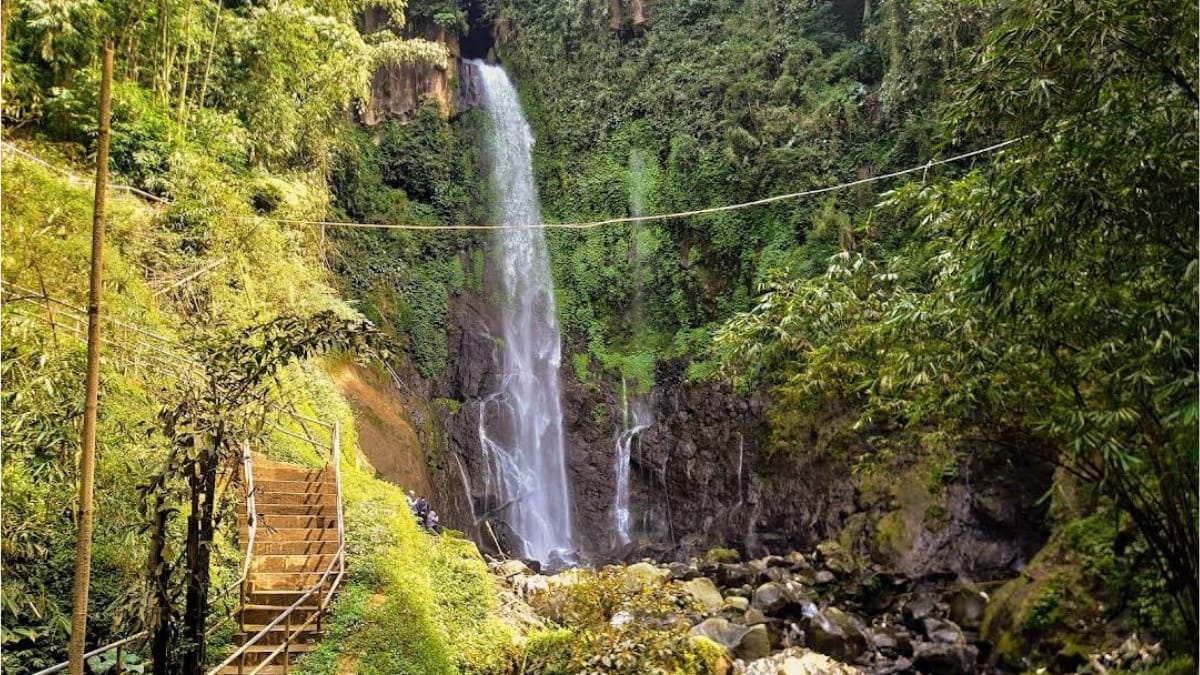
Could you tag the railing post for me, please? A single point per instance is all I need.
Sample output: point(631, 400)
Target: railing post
point(337, 476)
point(120, 659)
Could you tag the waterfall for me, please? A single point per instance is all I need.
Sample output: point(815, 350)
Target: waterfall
point(635, 417)
point(522, 434)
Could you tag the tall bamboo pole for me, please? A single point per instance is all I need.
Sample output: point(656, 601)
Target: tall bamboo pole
point(87, 459)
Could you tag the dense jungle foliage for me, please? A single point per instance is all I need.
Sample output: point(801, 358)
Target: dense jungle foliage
point(1041, 299)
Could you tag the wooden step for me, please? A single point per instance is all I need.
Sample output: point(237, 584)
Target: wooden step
point(290, 486)
point(279, 522)
point(300, 581)
point(264, 614)
point(289, 475)
point(277, 634)
point(280, 596)
point(266, 670)
point(300, 496)
point(266, 532)
point(290, 563)
point(292, 509)
point(296, 547)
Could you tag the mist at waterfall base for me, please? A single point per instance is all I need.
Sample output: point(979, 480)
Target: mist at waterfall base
point(521, 426)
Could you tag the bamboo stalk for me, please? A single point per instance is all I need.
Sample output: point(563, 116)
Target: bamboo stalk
point(87, 460)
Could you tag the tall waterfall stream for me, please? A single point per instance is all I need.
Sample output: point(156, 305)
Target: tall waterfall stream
point(521, 427)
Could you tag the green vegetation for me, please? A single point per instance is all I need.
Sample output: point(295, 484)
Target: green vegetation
point(232, 111)
point(718, 103)
point(610, 622)
point(1043, 300)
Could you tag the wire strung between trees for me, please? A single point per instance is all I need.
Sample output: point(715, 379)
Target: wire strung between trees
point(79, 179)
point(585, 225)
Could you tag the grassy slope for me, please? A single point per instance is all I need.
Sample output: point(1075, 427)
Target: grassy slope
point(411, 604)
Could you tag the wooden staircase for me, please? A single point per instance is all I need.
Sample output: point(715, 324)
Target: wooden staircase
point(296, 542)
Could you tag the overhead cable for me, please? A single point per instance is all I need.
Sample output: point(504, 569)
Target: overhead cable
point(587, 225)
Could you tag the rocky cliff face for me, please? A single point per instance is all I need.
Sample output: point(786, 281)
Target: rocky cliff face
point(399, 90)
point(701, 477)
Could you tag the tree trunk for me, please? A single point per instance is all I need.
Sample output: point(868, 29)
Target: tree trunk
point(614, 15)
point(161, 626)
point(203, 484)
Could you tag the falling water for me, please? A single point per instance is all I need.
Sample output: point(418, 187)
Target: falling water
point(521, 428)
point(636, 417)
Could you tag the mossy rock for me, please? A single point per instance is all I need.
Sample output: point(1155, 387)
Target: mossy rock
point(717, 556)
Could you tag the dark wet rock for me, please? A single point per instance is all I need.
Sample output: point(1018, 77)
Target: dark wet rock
point(678, 571)
point(942, 631)
point(944, 659)
point(892, 642)
point(916, 610)
point(771, 597)
point(836, 634)
point(755, 644)
point(901, 666)
point(731, 575)
point(967, 608)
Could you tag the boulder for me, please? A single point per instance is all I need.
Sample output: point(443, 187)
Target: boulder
point(967, 608)
point(720, 631)
point(934, 658)
point(511, 568)
point(834, 557)
point(799, 661)
point(942, 631)
point(705, 593)
point(771, 597)
point(640, 575)
point(736, 603)
point(747, 643)
point(812, 663)
point(892, 641)
point(916, 610)
point(824, 577)
point(797, 561)
point(734, 575)
point(752, 616)
point(678, 571)
point(835, 633)
point(777, 574)
point(755, 644)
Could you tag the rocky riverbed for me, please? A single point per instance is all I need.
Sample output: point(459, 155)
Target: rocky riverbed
point(809, 613)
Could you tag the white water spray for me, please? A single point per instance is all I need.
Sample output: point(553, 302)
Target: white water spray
point(521, 428)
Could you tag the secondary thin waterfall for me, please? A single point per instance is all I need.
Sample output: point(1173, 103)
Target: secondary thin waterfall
point(635, 418)
point(522, 431)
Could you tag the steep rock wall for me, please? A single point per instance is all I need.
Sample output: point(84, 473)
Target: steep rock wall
point(701, 477)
